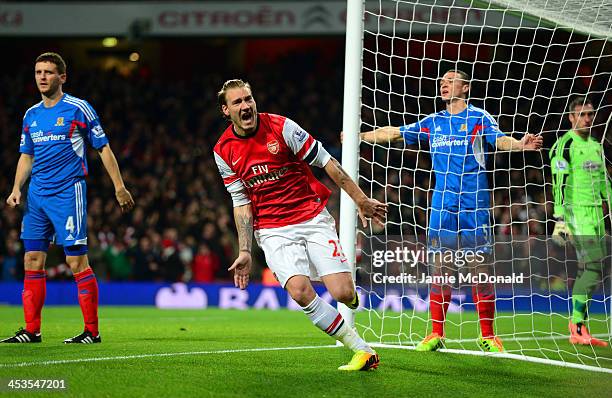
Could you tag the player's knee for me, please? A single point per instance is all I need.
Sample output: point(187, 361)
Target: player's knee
point(344, 294)
point(34, 261)
point(593, 266)
point(300, 291)
point(77, 263)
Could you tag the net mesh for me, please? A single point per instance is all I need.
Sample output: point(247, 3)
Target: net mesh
point(528, 60)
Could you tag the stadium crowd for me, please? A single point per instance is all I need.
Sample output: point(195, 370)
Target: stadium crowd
point(162, 133)
point(163, 130)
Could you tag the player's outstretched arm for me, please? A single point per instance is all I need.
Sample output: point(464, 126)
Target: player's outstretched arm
point(368, 208)
point(529, 142)
point(380, 135)
point(112, 168)
point(243, 216)
point(24, 168)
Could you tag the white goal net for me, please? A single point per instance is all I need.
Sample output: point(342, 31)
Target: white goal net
point(528, 59)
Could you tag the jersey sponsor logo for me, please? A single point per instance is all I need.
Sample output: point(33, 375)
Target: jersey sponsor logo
point(274, 175)
point(273, 147)
point(444, 140)
point(98, 132)
point(300, 135)
point(590, 165)
point(34, 124)
point(59, 122)
point(236, 161)
point(39, 136)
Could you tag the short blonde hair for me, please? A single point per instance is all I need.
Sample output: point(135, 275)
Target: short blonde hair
point(234, 83)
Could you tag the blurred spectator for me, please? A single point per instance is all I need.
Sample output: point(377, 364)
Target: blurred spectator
point(205, 265)
point(12, 263)
point(145, 261)
point(119, 266)
point(163, 131)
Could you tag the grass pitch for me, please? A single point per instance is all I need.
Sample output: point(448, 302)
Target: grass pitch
point(229, 353)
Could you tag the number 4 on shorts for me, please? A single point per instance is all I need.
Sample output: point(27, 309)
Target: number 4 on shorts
point(70, 224)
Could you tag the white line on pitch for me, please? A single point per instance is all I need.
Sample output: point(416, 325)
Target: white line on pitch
point(505, 338)
point(506, 356)
point(163, 354)
point(530, 338)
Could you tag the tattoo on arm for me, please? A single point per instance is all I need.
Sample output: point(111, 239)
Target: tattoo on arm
point(343, 174)
point(244, 226)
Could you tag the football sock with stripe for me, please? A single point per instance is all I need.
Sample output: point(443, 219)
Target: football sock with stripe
point(87, 286)
point(33, 296)
point(329, 320)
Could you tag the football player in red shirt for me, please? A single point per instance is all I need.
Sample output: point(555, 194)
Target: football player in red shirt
point(265, 161)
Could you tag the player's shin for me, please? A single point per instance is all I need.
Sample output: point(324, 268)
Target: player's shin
point(439, 299)
point(87, 286)
point(33, 296)
point(585, 284)
point(484, 298)
point(328, 319)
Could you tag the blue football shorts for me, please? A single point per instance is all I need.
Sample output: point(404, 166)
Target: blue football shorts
point(60, 218)
point(468, 229)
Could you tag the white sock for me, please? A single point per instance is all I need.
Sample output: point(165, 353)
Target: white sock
point(329, 320)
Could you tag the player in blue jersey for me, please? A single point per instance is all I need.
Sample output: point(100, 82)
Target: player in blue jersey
point(459, 139)
point(54, 137)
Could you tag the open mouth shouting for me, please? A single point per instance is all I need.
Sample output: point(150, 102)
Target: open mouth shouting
point(246, 116)
point(247, 119)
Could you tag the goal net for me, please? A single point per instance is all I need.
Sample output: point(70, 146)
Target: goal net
point(528, 59)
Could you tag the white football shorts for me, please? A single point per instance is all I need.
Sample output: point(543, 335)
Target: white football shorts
point(311, 248)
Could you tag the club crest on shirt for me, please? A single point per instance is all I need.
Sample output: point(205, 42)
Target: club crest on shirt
point(463, 127)
point(273, 147)
point(59, 122)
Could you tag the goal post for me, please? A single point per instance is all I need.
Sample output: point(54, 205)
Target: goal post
point(528, 59)
point(351, 125)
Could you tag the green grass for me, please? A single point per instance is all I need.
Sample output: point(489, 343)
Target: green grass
point(305, 372)
point(531, 334)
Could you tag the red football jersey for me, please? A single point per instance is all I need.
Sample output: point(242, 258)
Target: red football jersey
point(273, 165)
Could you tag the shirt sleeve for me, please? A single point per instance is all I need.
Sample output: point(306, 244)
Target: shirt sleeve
point(94, 132)
point(606, 189)
point(232, 182)
point(26, 145)
point(606, 186)
point(417, 131)
point(560, 168)
point(491, 129)
point(303, 145)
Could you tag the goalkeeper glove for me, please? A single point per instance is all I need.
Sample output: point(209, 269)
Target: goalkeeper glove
point(561, 233)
